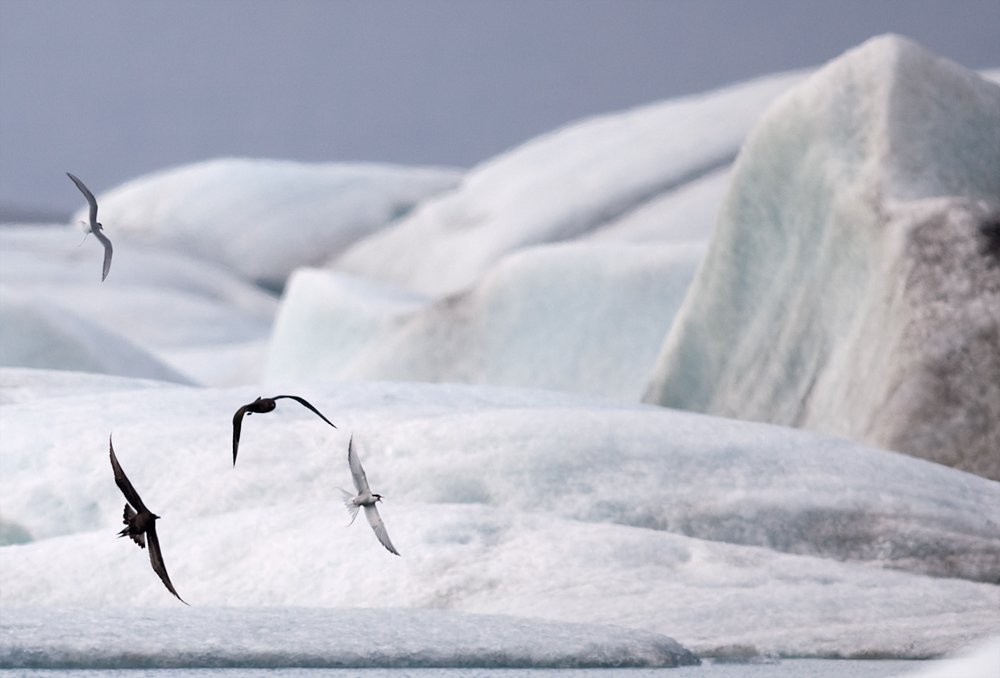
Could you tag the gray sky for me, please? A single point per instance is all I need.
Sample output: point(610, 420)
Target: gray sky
point(110, 89)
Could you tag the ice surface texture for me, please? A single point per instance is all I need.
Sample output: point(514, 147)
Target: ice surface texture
point(535, 504)
point(313, 638)
point(853, 285)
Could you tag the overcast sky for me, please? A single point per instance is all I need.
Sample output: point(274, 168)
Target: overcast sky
point(110, 89)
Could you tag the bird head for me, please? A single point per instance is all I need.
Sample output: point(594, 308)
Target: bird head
point(378, 497)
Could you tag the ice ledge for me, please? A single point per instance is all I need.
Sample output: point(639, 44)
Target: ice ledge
point(148, 638)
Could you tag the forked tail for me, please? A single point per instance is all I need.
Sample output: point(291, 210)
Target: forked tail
point(352, 508)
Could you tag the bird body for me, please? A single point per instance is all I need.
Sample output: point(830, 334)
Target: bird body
point(140, 523)
point(95, 227)
point(262, 406)
point(365, 498)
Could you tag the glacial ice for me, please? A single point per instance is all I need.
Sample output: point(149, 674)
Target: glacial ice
point(540, 509)
point(853, 284)
point(585, 317)
point(264, 218)
point(562, 186)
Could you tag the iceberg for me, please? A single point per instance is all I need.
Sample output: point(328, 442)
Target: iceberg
point(561, 186)
point(264, 218)
point(584, 316)
point(853, 283)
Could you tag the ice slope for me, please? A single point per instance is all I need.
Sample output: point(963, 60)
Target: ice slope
point(527, 503)
point(562, 185)
point(315, 638)
point(263, 218)
point(586, 317)
point(853, 285)
point(40, 334)
point(191, 320)
point(980, 661)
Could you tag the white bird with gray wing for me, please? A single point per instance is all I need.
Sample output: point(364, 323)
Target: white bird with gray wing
point(365, 498)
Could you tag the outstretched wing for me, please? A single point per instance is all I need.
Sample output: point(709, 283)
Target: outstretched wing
point(91, 200)
point(99, 234)
point(357, 473)
point(306, 403)
point(237, 427)
point(156, 559)
point(122, 481)
point(376, 522)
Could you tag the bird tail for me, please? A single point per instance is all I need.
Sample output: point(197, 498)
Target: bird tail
point(128, 514)
point(352, 508)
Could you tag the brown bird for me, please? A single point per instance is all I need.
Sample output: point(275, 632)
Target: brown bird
point(140, 523)
point(260, 406)
point(95, 227)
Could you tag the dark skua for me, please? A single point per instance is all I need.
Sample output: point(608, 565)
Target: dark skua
point(95, 227)
point(140, 523)
point(260, 406)
point(365, 498)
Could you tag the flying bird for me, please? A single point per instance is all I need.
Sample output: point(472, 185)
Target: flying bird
point(260, 406)
point(140, 523)
point(365, 497)
point(95, 227)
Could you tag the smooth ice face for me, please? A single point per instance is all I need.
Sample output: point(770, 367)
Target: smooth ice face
point(564, 185)
point(264, 218)
point(853, 285)
point(586, 317)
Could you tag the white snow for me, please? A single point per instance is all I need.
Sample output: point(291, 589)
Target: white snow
point(533, 504)
point(264, 218)
point(562, 525)
point(852, 287)
point(563, 185)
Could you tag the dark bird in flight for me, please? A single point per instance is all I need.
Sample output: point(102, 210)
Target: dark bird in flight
point(260, 406)
point(365, 497)
point(96, 228)
point(140, 523)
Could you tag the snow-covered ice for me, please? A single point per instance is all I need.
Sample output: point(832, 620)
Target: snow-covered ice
point(252, 638)
point(565, 185)
point(264, 218)
point(532, 504)
point(853, 286)
point(208, 325)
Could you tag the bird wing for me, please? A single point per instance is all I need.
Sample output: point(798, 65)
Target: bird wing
point(91, 200)
point(358, 473)
point(122, 481)
point(376, 522)
point(306, 403)
point(156, 560)
point(237, 427)
point(98, 233)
